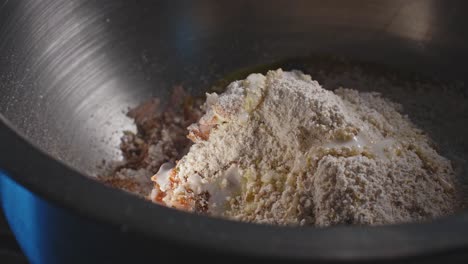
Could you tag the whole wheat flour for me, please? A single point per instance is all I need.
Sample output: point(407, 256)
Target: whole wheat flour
point(280, 149)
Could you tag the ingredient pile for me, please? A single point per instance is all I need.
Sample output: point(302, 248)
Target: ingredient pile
point(280, 149)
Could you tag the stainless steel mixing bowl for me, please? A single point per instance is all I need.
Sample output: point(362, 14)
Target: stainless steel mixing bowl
point(69, 69)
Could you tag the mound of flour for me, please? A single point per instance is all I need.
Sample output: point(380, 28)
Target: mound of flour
point(280, 149)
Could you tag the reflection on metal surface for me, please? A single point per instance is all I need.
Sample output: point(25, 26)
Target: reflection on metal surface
point(69, 61)
point(414, 20)
point(74, 62)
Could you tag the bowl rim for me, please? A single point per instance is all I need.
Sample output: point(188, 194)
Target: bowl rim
point(64, 186)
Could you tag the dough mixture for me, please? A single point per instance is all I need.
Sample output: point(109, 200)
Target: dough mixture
point(280, 149)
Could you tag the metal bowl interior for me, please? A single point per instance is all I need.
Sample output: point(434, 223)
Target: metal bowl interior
point(70, 69)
